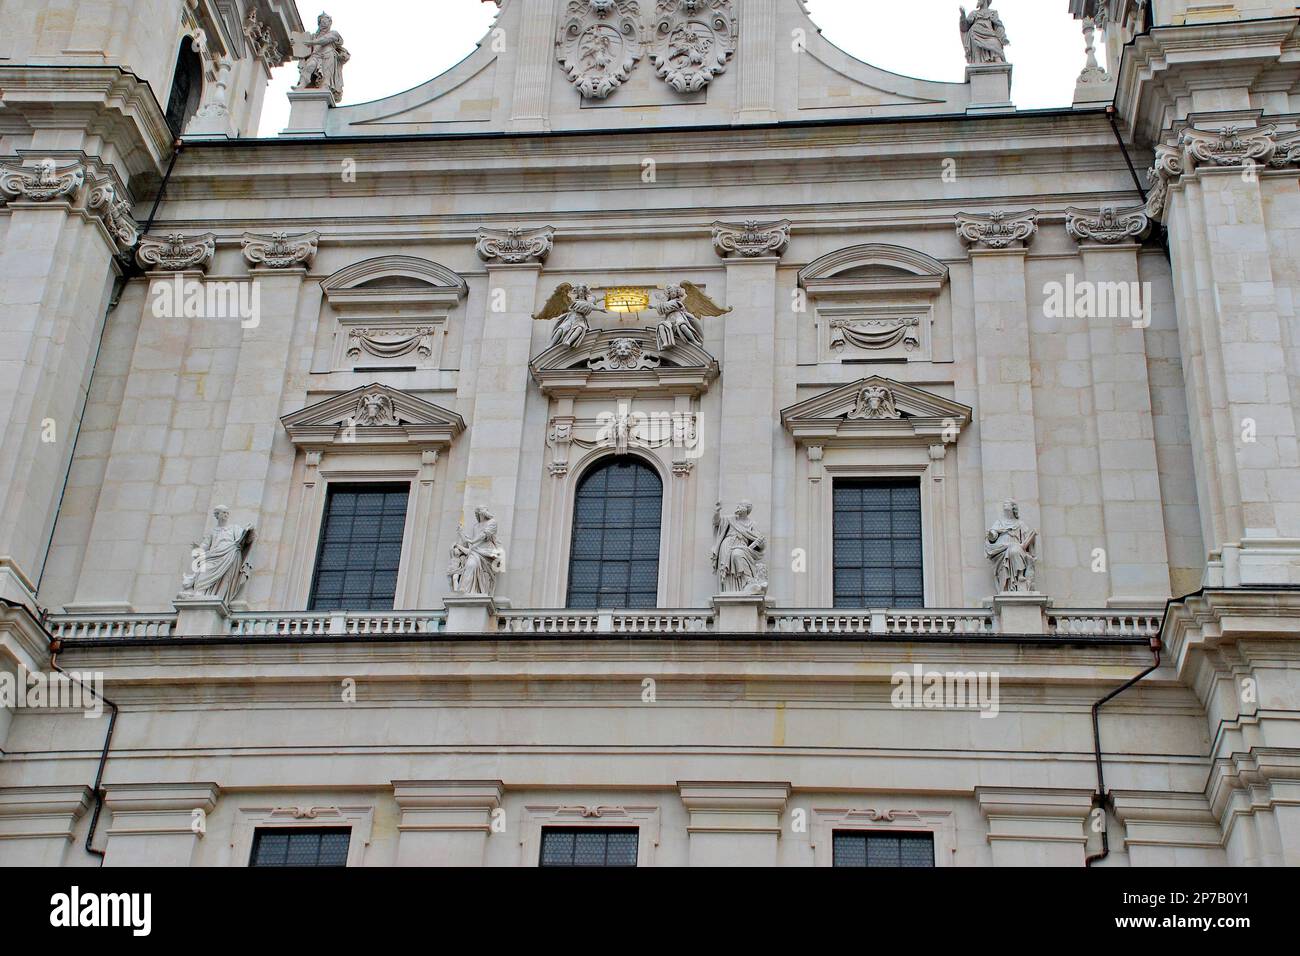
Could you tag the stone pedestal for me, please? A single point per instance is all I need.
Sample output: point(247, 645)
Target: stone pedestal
point(470, 615)
point(200, 617)
point(1021, 613)
point(738, 613)
point(990, 88)
point(445, 822)
point(307, 112)
point(734, 824)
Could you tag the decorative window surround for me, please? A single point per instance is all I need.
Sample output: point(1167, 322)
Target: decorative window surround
point(685, 369)
point(877, 428)
point(939, 823)
point(358, 818)
point(874, 301)
point(533, 818)
point(405, 445)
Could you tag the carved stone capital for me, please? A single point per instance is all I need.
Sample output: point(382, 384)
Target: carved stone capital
point(997, 230)
point(279, 250)
point(42, 183)
point(1230, 146)
point(514, 246)
point(750, 240)
point(177, 252)
point(115, 213)
point(1109, 225)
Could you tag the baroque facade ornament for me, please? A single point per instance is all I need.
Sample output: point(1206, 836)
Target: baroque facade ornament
point(177, 252)
point(477, 559)
point(738, 549)
point(1109, 225)
point(261, 42)
point(279, 250)
point(383, 342)
point(680, 308)
point(1012, 546)
point(321, 67)
point(599, 43)
point(115, 214)
point(983, 35)
point(43, 183)
point(750, 240)
point(876, 334)
point(624, 355)
point(997, 230)
point(1230, 146)
point(874, 403)
point(571, 306)
point(692, 40)
point(515, 246)
point(220, 567)
point(375, 409)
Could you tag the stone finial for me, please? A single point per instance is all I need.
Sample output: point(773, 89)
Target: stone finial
point(42, 183)
point(738, 549)
point(1012, 546)
point(983, 35)
point(515, 245)
point(477, 560)
point(279, 250)
point(177, 252)
point(997, 230)
point(1109, 225)
point(321, 56)
point(751, 239)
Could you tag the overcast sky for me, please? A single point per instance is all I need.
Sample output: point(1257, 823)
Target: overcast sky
point(397, 44)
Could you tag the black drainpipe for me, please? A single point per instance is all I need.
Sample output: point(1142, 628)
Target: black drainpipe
point(1101, 800)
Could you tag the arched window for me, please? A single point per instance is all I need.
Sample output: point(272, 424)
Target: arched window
point(614, 560)
point(187, 88)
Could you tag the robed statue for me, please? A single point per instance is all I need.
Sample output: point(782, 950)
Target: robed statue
point(220, 565)
point(983, 35)
point(1013, 548)
point(477, 560)
point(320, 65)
point(737, 556)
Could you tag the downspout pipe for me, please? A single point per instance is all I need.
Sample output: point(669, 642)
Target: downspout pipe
point(1101, 800)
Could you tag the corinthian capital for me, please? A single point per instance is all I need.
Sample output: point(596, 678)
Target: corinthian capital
point(41, 183)
point(1109, 225)
point(279, 250)
point(750, 239)
point(997, 230)
point(1230, 146)
point(177, 252)
point(514, 246)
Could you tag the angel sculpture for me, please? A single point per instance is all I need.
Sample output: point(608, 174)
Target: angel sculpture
point(679, 314)
point(571, 306)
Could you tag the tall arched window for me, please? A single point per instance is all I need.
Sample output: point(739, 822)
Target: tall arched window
point(187, 88)
point(614, 560)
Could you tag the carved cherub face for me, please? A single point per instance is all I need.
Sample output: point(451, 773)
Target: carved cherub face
point(601, 7)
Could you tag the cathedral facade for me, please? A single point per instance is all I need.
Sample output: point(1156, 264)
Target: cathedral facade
point(660, 439)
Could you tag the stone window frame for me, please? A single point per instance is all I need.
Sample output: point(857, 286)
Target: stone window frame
point(646, 820)
point(359, 819)
point(940, 824)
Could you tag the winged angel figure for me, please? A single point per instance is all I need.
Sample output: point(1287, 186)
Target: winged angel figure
point(572, 307)
point(679, 315)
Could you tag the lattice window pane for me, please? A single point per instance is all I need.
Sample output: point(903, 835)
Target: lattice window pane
point(361, 548)
point(614, 557)
point(877, 543)
point(869, 849)
point(588, 846)
point(301, 846)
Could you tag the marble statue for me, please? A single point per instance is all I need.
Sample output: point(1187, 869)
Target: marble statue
point(1013, 548)
point(737, 556)
point(983, 35)
point(572, 307)
point(322, 67)
point(220, 565)
point(477, 560)
point(679, 311)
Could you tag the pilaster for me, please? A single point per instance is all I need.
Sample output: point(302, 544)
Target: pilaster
point(158, 824)
point(37, 824)
point(1036, 827)
point(734, 824)
point(445, 822)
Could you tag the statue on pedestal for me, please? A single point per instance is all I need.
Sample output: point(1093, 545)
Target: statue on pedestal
point(983, 35)
point(1013, 548)
point(220, 565)
point(737, 556)
point(477, 560)
point(321, 57)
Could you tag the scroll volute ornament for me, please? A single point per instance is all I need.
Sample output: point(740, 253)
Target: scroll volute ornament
point(692, 40)
point(599, 43)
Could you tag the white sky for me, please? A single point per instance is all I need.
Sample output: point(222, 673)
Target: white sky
point(398, 44)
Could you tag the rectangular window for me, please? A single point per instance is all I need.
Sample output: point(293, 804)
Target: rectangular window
point(860, 848)
point(588, 846)
point(360, 548)
point(877, 526)
point(300, 846)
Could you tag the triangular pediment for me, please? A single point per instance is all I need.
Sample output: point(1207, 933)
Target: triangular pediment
point(876, 408)
point(621, 359)
point(371, 416)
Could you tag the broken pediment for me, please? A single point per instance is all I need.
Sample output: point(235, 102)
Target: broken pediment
point(371, 417)
point(876, 409)
point(623, 360)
